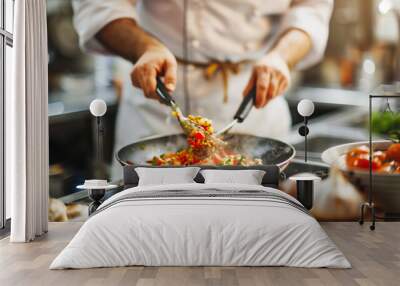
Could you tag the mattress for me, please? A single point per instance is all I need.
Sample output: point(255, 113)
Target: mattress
point(201, 225)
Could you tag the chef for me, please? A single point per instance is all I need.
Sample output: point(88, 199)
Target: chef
point(209, 53)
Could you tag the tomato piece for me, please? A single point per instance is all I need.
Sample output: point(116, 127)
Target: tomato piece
point(359, 158)
point(393, 152)
point(363, 163)
point(192, 143)
point(357, 152)
point(199, 136)
point(182, 158)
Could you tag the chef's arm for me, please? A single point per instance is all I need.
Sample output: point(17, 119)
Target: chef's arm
point(151, 58)
point(303, 32)
point(271, 74)
point(126, 39)
point(293, 46)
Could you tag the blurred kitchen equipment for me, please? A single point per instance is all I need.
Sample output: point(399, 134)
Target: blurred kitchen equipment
point(243, 111)
point(385, 92)
point(392, 8)
point(386, 124)
point(270, 151)
point(67, 62)
point(386, 187)
point(305, 108)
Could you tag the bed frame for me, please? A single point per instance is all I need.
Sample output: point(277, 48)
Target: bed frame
point(270, 179)
point(131, 179)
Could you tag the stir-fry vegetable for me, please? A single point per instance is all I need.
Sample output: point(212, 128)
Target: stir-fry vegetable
point(201, 138)
point(382, 161)
point(203, 148)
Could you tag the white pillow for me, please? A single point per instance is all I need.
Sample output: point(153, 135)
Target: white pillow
point(248, 177)
point(166, 176)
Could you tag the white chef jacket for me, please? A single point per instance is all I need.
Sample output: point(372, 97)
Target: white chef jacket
point(224, 30)
point(217, 29)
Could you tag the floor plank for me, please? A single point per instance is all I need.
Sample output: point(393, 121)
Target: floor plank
point(375, 257)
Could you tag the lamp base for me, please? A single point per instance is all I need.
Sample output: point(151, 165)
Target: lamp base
point(305, 193)
point(96, 195)
point(370, 206)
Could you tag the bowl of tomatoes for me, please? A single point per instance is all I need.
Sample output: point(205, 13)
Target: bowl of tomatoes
point(353, 161)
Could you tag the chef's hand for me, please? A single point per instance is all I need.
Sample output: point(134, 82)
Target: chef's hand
point(157, 60)
point(271, 76)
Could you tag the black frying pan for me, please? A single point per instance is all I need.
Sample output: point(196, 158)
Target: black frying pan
point(271, 151)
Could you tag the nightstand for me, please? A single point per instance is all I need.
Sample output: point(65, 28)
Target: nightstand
point(96, 191)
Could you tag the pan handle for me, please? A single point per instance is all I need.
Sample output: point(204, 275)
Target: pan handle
point(246, 105)
point(123, 164)
point(163, 93)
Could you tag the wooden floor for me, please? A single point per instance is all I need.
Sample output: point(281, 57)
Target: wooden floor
point(375, 257)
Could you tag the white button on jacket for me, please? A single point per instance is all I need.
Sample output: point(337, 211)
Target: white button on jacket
point(225, 30)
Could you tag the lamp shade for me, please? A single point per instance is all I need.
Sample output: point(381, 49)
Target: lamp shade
point(305, 107)
point(98, 107)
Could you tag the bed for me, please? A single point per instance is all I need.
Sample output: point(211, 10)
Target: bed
point(201, 224)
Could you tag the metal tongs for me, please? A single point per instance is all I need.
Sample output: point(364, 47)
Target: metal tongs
point(188, 126)
point(242, 112)
point(166, 99)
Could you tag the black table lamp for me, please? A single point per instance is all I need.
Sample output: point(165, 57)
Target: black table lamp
point(305, 108)
point(97, 188)
point(98, 108)
point(305, 181)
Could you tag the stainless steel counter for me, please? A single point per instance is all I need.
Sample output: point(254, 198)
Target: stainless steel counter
point(334, 96)
point(345, 122)
point(64, 105)
point(336, 128)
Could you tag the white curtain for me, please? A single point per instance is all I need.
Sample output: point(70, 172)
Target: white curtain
point(27, 123)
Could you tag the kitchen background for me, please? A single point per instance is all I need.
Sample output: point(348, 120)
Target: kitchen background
point(362, 52)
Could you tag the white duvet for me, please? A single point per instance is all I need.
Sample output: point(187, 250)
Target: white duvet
point(219, 231)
